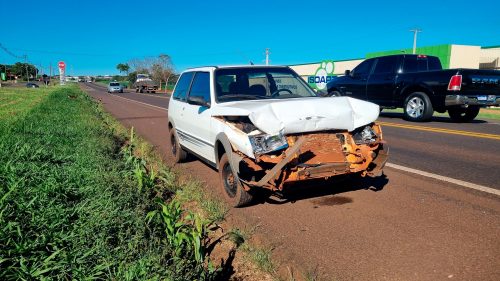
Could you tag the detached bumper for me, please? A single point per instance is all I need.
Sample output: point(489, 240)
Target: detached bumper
point(475, 100)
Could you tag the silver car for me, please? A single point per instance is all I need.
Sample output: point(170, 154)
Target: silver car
point(115, 87)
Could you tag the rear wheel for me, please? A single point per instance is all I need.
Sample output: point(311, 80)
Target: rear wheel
point(463, 114)
point(232, 188)
point(178, 152)
point(418, 107)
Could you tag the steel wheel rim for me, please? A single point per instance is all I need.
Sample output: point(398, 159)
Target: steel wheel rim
point(230, 185)
point(415, 107)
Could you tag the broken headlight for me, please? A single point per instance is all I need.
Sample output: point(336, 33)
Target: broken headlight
point(365, 135)
point(265, 143)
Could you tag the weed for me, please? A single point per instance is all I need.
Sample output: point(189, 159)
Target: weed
point(73, 204)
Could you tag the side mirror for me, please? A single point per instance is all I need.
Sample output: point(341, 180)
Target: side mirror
point(348, 73)
point(197, 100)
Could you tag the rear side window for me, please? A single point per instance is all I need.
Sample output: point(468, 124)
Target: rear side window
point(385, 65)
point(182, 86)
point(434, 63)
point(201, 86)
point(363, 69)
point(415, 64)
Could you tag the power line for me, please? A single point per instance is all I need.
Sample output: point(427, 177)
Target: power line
point(11, 53)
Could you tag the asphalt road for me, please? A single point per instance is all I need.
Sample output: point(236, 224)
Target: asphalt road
point(406, 226)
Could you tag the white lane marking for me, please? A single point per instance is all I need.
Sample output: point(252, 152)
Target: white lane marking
point(446, 179)
point(143, 103)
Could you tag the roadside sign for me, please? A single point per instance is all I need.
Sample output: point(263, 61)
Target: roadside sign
point(62, 68)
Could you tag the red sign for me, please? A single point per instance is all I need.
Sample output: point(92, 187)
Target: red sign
point(61, 64)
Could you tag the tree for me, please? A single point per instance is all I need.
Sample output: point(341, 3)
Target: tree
point(123, 67)
point(160, 68)
point(26, 70)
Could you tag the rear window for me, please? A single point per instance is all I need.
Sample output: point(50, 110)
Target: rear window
point(114, 84)
point(434, 63)
point(415, 64)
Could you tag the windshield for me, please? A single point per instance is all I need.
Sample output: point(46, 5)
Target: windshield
point(114, 84)
point(254, 83)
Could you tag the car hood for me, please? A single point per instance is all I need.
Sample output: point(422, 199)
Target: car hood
point(302, 115)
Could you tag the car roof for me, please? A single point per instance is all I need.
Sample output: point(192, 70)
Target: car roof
point(207, 68)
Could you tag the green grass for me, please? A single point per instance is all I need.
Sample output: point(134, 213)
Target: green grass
point(484, 113)
point(16, 102)
point(75, 194)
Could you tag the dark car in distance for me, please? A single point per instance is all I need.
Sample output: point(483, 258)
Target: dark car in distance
point(32, 85)
point(419, 85)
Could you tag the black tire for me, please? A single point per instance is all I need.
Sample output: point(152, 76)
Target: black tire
point(137, 90)
point(418, 107)
point(463, 114)
point(231, 186)
point(178, 152)
point(141, 91)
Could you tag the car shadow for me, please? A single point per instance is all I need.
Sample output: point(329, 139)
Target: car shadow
point(320, 188)
point(441, 119)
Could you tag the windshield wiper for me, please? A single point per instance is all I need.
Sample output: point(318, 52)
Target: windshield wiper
point(251, 97)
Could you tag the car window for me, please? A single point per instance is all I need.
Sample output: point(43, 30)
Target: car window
point(363, 69)
point(434, 63)
point(201, 86)
point(415, 64)
point(385, 65)
point(182, 86)
point(114, 84)
point(252, 83)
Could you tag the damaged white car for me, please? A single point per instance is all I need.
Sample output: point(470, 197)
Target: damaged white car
point(264, 127)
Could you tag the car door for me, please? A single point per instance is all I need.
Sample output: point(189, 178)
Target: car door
point(198, 118)
point(355, 85)
point(177, 106)
point(380, 86)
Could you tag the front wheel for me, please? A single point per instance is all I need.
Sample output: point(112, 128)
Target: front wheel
point(463, 114)
point(178, 152)
point(418, 107)
point(232, 188)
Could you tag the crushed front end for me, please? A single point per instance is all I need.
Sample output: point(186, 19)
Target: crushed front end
point(297, 157)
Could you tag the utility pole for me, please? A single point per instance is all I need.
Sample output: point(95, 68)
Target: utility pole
point(415, 31)
point(27, 72)
point(267, 56)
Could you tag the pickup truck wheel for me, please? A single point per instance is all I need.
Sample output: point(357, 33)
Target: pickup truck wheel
point(178, 153)
point(141, 91)
point(463, 114)
point(136, 90)
point(232, 189)
point(418, 107)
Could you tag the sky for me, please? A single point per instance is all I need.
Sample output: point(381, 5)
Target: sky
point(92, 37)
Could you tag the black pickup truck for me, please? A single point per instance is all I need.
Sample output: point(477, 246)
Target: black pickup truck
point(419, 85)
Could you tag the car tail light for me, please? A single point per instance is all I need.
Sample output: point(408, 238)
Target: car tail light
point(455, 83)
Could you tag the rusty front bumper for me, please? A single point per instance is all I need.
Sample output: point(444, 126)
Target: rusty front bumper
point(317, 155)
